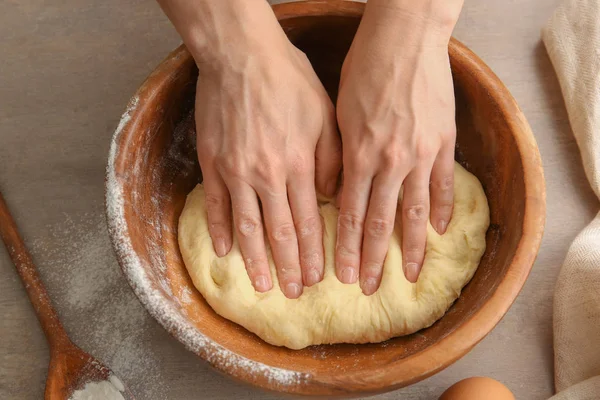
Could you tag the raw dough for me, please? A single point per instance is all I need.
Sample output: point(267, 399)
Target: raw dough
point(332, 312)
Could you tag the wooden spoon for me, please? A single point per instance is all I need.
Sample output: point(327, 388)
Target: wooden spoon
point(70, 367)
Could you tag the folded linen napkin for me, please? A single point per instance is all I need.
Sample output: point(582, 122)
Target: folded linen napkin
point(572, 39)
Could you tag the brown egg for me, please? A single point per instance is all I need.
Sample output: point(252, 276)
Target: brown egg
point(478, 388)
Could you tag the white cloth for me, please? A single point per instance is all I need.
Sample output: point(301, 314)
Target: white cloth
point(572, 38)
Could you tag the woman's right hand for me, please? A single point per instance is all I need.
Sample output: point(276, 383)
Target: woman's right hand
point(266, 132)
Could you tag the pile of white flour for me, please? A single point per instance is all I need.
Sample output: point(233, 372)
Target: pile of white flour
point(105, 390)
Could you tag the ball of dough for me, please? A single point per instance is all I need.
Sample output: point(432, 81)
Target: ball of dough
point(330, 311)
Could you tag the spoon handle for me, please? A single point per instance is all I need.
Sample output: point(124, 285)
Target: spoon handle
point(53, 329)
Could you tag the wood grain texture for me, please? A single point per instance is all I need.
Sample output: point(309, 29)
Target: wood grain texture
point(494, 142)
point(67, 72)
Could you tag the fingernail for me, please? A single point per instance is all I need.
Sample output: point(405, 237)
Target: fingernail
point(261, 283)
point(331, 187)
point(293, 290)
point(442, 227)
point(348, 275)
point(220, 247)
point(370, 286)
point(312, 277)
point(411, 271)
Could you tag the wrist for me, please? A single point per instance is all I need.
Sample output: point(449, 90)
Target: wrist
point(220, 33)
point(414, 22)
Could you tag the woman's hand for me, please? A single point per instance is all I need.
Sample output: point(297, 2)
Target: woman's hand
point(266, 132)
point(261, 126)
point(396, 117)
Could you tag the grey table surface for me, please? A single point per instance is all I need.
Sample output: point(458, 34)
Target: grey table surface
point(67, 70)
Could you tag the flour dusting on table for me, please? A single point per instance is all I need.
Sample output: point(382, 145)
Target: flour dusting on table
point(78, 265)
point(105, 390)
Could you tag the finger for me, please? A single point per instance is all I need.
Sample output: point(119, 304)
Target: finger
point(353, 207)
point(249, 231)
point(283, 240)
point(305, 213)
point(328, 155)
point(415, 212)
point(218, 209)
point(442, 189)
point(379, 226)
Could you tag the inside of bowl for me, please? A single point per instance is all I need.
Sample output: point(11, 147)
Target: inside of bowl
point(166, 169)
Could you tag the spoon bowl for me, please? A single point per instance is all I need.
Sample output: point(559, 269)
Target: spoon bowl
point(71, 369)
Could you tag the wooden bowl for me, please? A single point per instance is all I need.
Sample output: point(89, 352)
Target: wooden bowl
point(153, 166)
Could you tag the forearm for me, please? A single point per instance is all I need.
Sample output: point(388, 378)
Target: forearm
point(217, 30)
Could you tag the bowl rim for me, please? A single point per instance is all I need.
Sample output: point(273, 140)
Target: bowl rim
point(415, 367)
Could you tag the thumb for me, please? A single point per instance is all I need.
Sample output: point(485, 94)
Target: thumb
point(328, 156)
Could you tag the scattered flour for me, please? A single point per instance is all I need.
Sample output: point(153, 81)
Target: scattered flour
point(105, 390)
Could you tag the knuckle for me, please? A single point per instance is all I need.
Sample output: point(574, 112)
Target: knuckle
point(255, 266)
point(299, 166)
point(350, 221)
point(289, 273)
point(445, 184)
point(404, 154)
point(414, 248)
point(372, 268)
point(214, 202)
point(283, 233)
point(232, 165)
point(425, 151)
point(218, 226)
point(391, 159)
point(415, 212)
point(310, 260)
point(267, 173)
point(308, 227)
point(248, 226)
point(344, 251)
point(378, 228)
